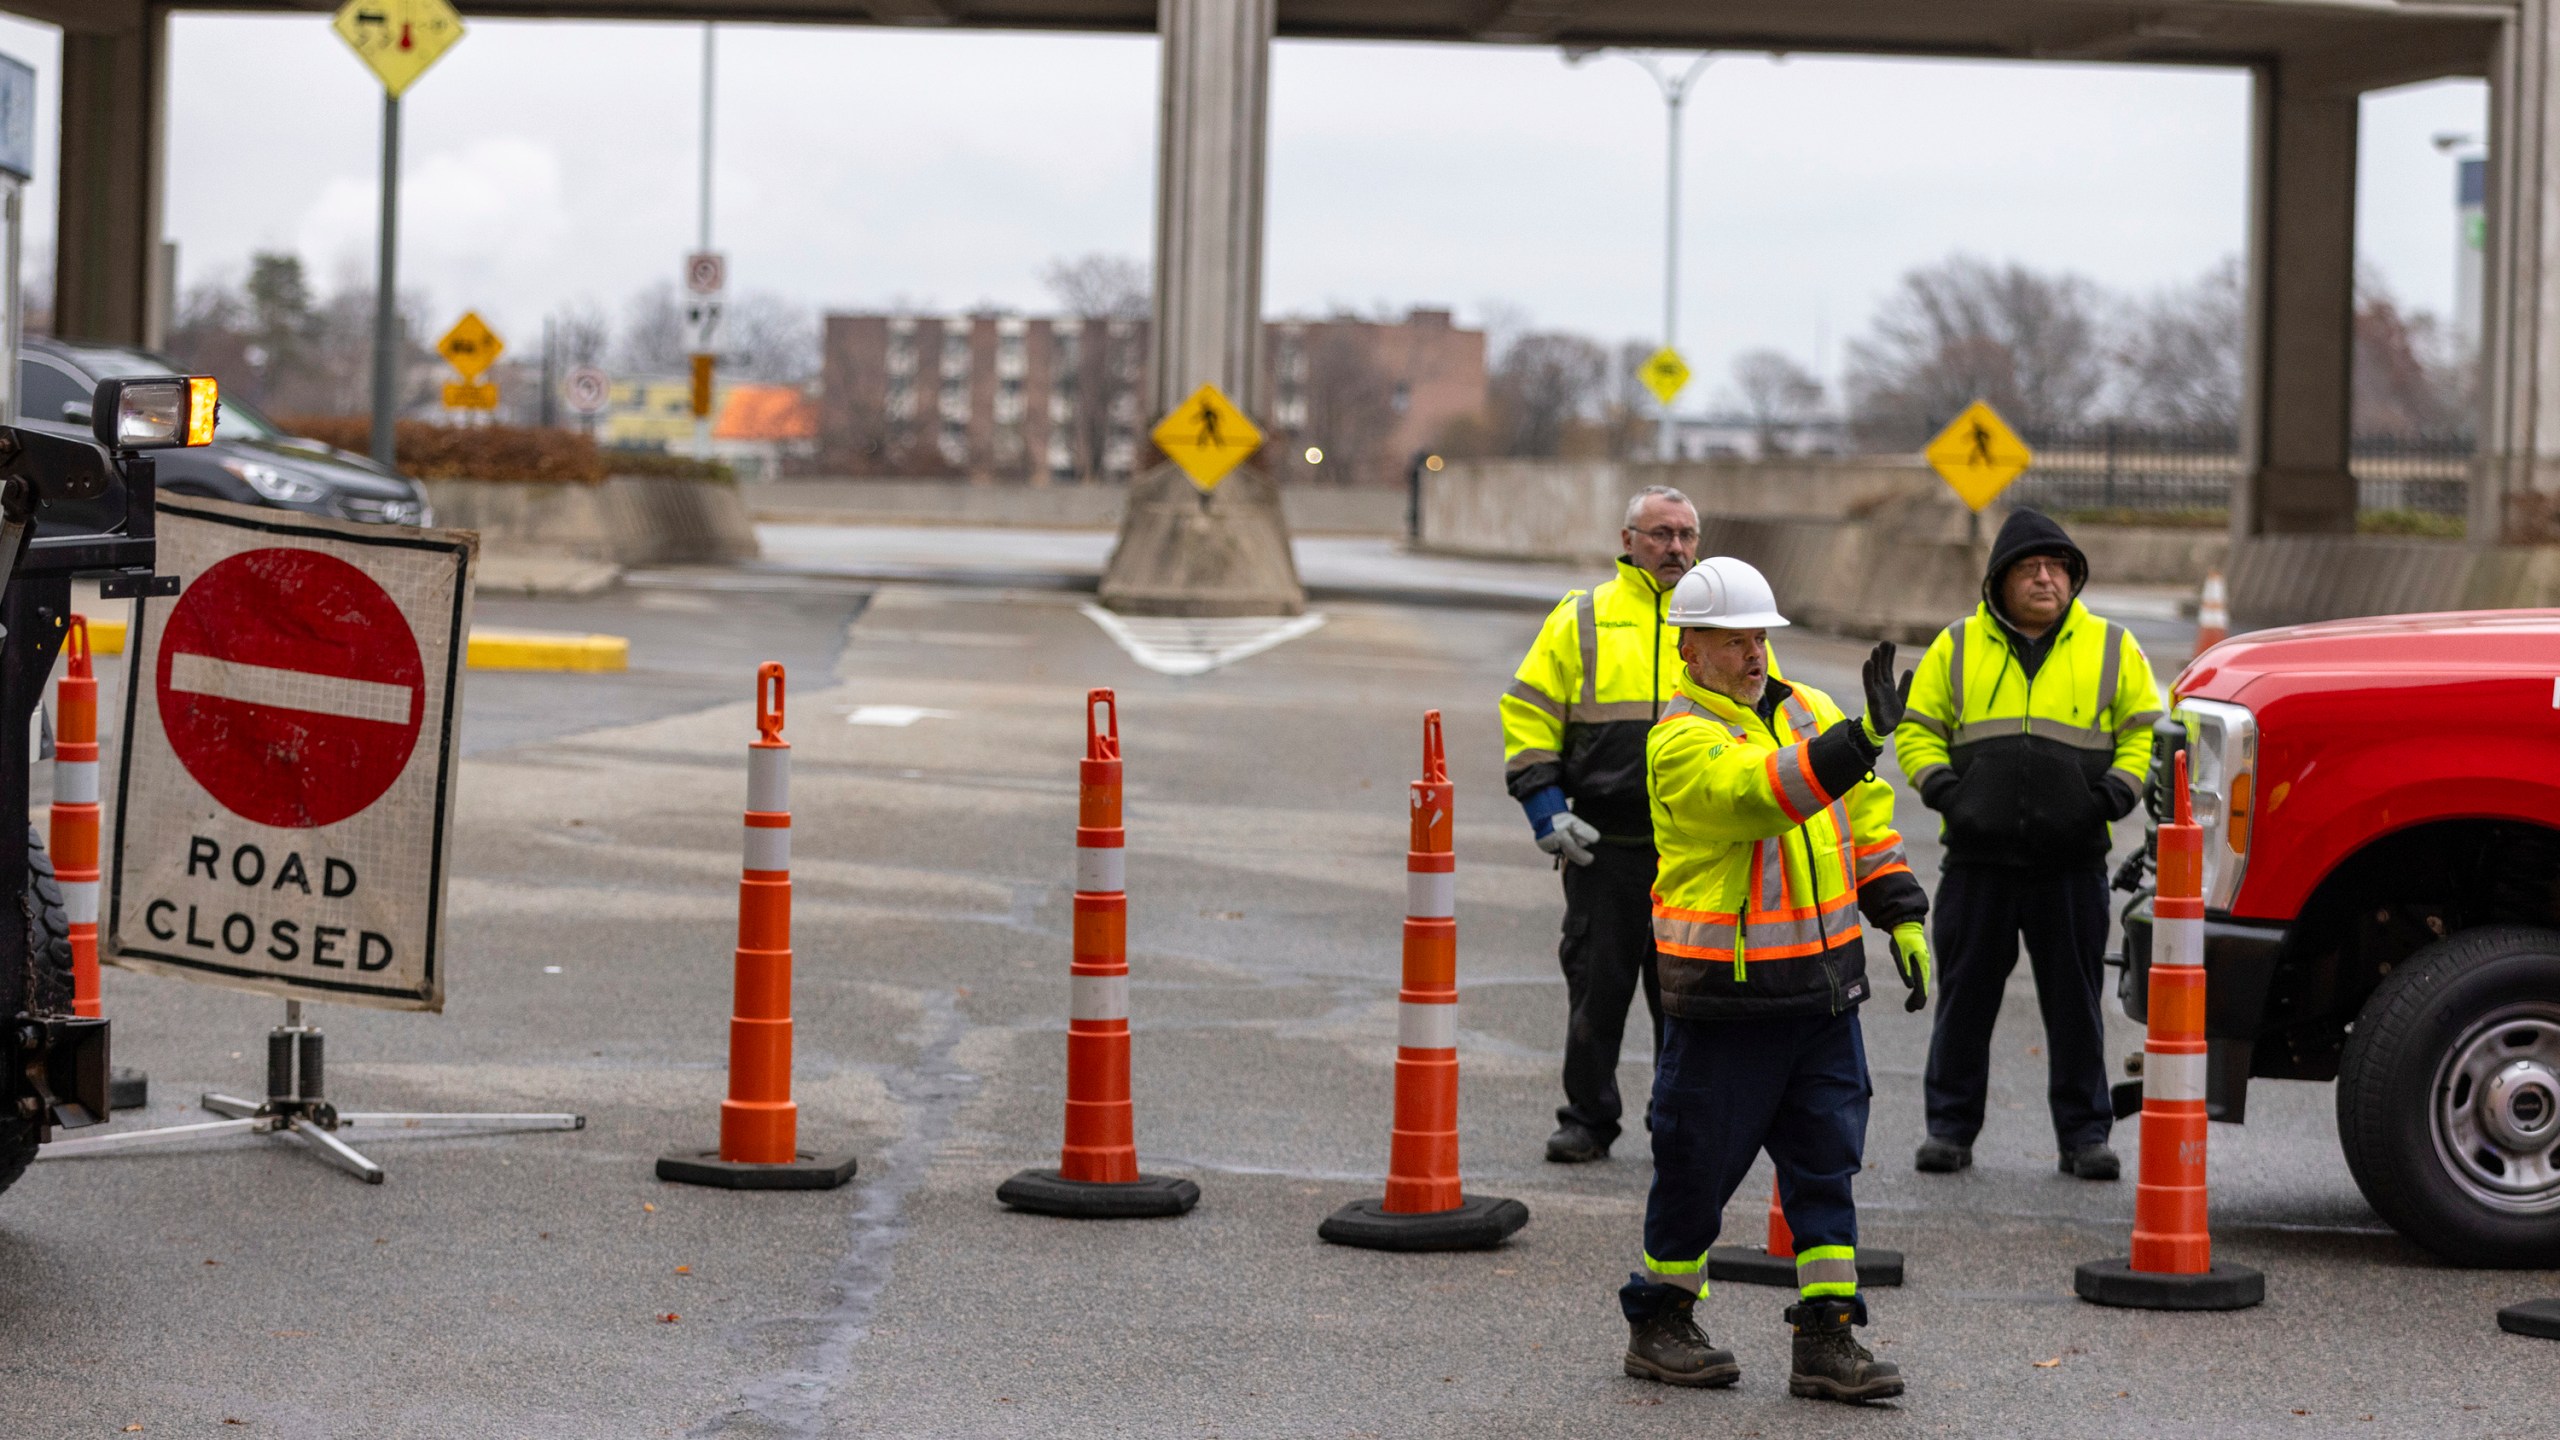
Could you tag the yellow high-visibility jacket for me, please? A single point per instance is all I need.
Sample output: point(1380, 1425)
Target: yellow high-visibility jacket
point(2014, 763)
point(1603, 668)
point(1774, 837)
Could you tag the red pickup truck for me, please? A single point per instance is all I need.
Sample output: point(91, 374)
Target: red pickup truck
point(2381, 805)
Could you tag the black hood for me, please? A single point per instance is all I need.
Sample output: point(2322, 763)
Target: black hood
point(2025, 533)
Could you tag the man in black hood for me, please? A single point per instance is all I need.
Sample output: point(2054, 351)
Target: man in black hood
point(2029, 730)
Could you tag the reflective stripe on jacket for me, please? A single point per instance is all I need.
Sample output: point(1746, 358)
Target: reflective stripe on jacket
point(1603, 668)
point(1763, 871)
point(2027, 753)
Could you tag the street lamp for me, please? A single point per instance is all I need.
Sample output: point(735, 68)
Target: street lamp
point(1675, 92)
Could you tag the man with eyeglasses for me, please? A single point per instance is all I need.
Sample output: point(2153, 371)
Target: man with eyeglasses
point(2029, 731)
point(1573, 732)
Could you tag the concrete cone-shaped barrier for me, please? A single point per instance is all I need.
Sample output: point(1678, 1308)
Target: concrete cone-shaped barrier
point(1424, 1208)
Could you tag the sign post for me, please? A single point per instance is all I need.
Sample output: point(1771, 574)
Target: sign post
point(706, 274)
point(397, 40)
point(285, 795)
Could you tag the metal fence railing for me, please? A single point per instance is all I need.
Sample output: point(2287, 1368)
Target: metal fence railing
point(2122, 467)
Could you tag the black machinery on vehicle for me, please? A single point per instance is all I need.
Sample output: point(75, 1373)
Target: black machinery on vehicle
point(55, 1063)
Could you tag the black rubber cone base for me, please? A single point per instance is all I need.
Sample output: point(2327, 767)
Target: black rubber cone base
point(2537, 1318)
point(1750, 1265)
point(705, 1167)
point(1479, 1223)
point(1149, 1197)
point(2116, 1282)
point(127, 1089)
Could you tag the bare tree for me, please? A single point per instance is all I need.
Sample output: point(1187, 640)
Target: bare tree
point(769, 337)
point(1350, 399)
point(1966, 329)
point(2178, 353)
point(1776, 393)
point(1099, 287)
point(582, 333)
point(1096, 361)
point(1543, 386)
point(2411, 377)
point(653, 332)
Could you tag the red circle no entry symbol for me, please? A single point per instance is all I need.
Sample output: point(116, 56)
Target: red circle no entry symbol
point(290, 687)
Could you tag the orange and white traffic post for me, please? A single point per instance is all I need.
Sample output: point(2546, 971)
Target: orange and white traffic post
point(2172, 1267)
point(73, 837)
point(1424, 1208)
point(759, 1123)
point(1775, 1263)
point(1097, 1176)
point(2213, 614)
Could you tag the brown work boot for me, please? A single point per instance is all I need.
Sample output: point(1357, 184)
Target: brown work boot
point(1668, 1346)
point(1829, 1363)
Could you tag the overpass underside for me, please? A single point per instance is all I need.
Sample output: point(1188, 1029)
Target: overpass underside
point(2310, 61)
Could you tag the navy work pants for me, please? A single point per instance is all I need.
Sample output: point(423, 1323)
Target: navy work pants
point(1981, 914)
point(1725, 1090)
point(1607, 953)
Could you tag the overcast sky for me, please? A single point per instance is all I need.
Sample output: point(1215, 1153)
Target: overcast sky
point(547, 162)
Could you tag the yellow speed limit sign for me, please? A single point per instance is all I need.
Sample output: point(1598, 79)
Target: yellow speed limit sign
point(1978, 455)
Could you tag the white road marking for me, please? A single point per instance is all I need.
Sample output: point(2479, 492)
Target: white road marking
point(895, 716)
point(289, 689)
point(1172, 645)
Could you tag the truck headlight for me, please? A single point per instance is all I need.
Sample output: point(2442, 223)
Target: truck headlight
point(273, 483)
point(155, 413)
point(2222, 778)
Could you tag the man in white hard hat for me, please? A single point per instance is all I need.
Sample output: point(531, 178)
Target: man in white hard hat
point(1775, 837)
point(1573, 728)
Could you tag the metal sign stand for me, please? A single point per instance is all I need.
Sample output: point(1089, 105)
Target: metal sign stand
point(298, 1107)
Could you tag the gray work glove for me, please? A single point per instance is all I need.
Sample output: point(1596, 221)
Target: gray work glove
point(1570, 836)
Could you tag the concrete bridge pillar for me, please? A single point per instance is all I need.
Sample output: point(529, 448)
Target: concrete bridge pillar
point(2515, 490)
point(108, 278)
point(1226, 552)
point(2301, 339)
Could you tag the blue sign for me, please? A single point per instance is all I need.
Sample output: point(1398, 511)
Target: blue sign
point(17, 117)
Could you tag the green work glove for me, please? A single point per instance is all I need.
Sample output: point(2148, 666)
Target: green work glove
point(1911, 959)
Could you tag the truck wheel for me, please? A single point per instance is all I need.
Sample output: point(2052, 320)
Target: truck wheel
point(45, 988)
point(2449, 1097)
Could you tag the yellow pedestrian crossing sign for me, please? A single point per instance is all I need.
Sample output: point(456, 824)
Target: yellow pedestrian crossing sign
point(1207, 436)
point(1978, 455)
point(399, 39)
point(1666, 375)
point(471, 347)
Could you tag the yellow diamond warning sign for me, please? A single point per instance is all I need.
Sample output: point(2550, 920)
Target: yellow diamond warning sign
point(471, 347)
point(399, 39)
point(1978, 455)
point(1207, 436)
point(1666, 375)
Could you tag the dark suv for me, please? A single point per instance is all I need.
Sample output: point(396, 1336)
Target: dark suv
point(250, 460)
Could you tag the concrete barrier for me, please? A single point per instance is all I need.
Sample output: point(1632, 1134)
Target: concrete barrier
point(1310, 510)
point(2297, 579)
point(627, 520)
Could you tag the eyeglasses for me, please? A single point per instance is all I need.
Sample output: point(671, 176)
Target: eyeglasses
point(2058, 567)
point(1666, 535)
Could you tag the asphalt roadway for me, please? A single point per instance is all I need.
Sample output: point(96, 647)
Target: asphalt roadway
point(548, 1286)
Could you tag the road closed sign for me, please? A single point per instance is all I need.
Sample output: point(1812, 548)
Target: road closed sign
point(285, 791)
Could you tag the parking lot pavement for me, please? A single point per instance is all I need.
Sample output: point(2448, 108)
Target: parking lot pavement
point(523, 1286)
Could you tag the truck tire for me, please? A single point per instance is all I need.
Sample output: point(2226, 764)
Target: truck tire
point(2449, 1097)
point(43, 988)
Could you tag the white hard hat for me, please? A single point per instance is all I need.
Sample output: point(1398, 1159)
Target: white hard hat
point(1723, 593)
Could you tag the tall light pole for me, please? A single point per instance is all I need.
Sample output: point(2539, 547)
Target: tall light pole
point(702, 417)
point(1674, 85)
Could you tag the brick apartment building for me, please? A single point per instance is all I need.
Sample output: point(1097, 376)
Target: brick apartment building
point(1043, 399)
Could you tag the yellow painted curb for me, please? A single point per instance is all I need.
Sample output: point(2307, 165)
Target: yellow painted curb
point(106, 637)
point(514, 650)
